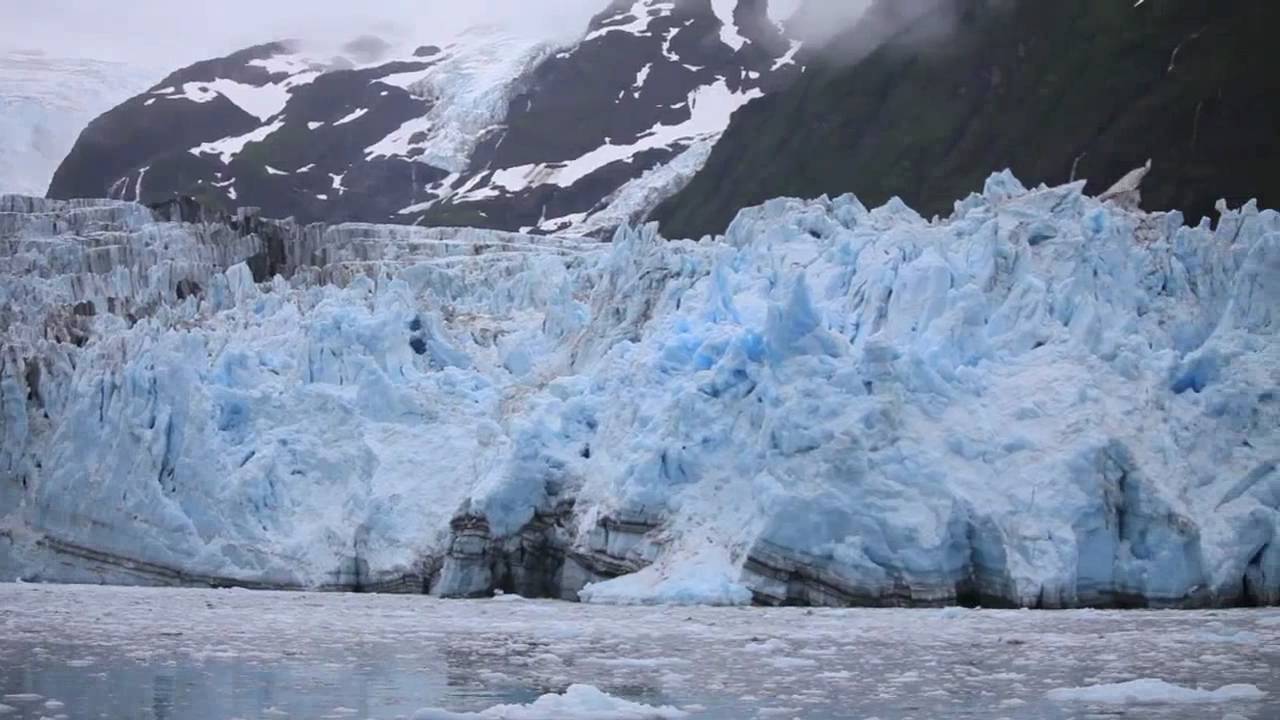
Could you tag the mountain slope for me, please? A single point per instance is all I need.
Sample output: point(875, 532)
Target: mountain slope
point(1052, 90)
point(491, 130)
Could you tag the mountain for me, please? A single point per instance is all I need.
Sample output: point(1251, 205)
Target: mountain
point(923, 107)
point(44, 103)
point(1042, 400)
point(491, 130)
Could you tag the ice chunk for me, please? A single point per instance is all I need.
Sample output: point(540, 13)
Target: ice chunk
point(1151, 691)
point(578, 702)
point(706, 579)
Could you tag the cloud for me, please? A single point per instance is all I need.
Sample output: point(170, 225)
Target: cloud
point(163, 35)
point(818, 21)
point(168, 34)
point(847, 31)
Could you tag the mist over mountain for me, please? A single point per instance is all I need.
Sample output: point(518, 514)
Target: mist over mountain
point(1055, 91)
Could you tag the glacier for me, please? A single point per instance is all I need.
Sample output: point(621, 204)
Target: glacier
point(1043, 400)
point(45, 101)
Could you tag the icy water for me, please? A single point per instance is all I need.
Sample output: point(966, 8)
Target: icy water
point(145, 654)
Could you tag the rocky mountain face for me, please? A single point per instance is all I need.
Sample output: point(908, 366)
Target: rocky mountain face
point(924, 98)
point(491, 130)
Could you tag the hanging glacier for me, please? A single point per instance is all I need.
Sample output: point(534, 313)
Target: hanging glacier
point(1043, 400)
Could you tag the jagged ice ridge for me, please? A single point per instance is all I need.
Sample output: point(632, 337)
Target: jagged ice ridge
point(1043, 400)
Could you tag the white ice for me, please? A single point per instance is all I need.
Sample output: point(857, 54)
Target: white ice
point(729, 34)
point(711, 107)
point(1152, 691)
point(636, 20)
point(228, 148)
point(263, 102)
point(352, 116)
point(471, 85)
point(45, 102)
point(1047, 399)
point(578, 702)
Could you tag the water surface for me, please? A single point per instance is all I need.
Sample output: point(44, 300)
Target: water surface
point(163, 654)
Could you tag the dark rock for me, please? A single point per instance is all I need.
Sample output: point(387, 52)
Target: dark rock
point(1055, 91)
point(311, 160)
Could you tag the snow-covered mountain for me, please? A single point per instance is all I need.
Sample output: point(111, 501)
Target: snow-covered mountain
point(44, 104)
point(1043, 400)
point(489, 130)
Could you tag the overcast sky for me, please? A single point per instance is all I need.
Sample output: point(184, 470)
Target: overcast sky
point(170, 33)
point(167, 34)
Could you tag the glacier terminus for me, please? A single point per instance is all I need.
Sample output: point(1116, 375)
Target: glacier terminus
point(1042, 400)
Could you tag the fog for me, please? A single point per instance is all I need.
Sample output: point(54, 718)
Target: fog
point(818, 22)
point(829, 27)
point(170, 33)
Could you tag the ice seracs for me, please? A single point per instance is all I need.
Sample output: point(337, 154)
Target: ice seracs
point(1042, 400)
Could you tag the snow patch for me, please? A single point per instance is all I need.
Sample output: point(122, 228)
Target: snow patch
point(634, 21)
point(711, 107)
point(352, 117)
point(729, 33)
point(641, 77)
point(284, 64)
point(227, 148)
point(788, 58)
point(261, 101)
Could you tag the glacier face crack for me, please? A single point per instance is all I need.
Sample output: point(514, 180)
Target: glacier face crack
point(1043, 400)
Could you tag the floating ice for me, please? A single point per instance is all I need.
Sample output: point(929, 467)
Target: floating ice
point(274, 655)
point(1150, 691)
point(579, 702)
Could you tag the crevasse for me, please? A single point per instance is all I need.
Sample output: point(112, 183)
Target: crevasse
point(1042, 400)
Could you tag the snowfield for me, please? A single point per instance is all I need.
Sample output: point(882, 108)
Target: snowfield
point(215, 655)
point(44, 104)
point(1043, 400)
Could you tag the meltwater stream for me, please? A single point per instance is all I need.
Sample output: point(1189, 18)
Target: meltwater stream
point(162, 654)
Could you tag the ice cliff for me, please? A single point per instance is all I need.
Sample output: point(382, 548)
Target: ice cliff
point(1043, 400)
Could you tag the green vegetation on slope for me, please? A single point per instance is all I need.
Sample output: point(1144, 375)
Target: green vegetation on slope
point(1090, 88)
